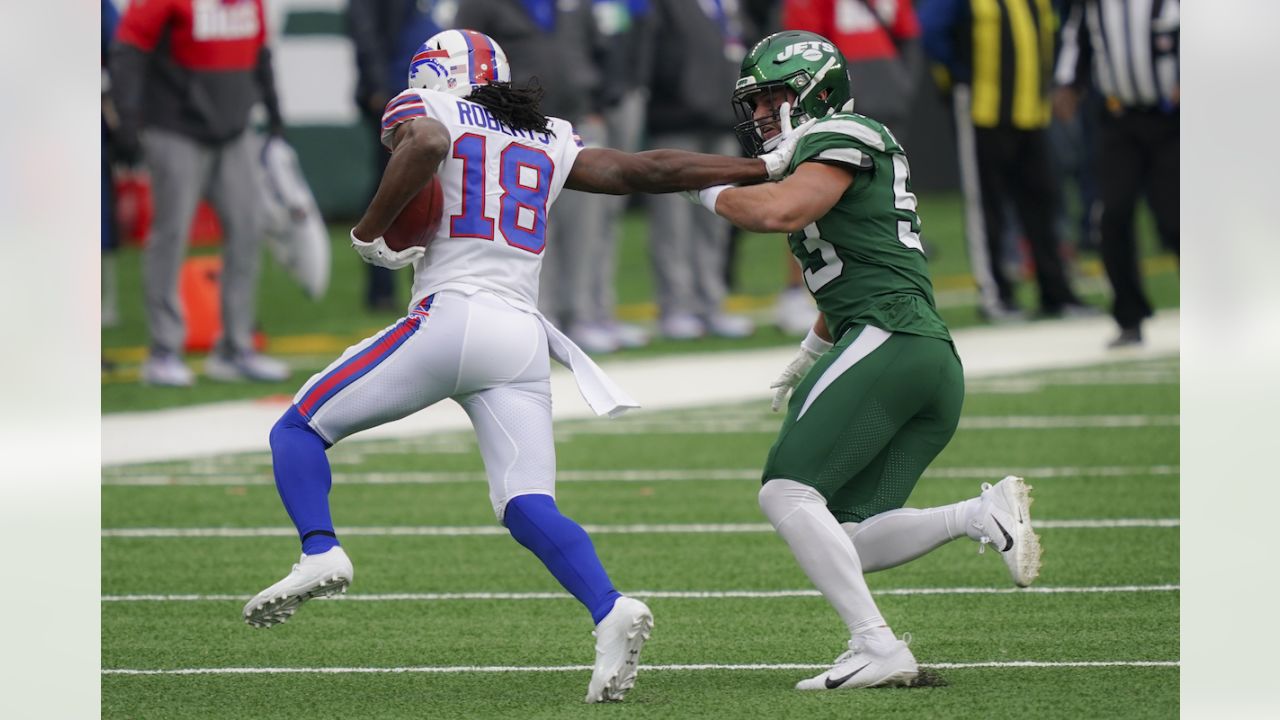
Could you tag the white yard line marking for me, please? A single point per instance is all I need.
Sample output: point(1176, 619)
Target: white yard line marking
point(439, 478)
point(1036, 383)
point(1102, 524)
point(670, 594)
point(1038, 422)
point(636, 529)
point(1042, 473)
point(991, 422)
point(213, 477)
point(456, 669)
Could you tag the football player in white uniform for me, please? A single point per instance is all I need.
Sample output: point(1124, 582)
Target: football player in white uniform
point(473, 333)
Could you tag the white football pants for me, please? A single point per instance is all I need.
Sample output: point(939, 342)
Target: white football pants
point(475, 349)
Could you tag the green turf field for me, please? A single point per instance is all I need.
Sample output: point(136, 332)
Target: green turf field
point(449, 618)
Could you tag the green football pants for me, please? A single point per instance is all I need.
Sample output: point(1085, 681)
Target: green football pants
point(867, 420)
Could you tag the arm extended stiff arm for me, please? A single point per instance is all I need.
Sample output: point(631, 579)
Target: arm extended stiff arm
point(613, 172)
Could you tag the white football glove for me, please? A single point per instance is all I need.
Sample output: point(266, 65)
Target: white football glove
point(811, 348)
point(778, 159)
point(376, 252)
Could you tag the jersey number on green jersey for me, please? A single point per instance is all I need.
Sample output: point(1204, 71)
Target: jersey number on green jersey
point(903, 199)
point(823, 265)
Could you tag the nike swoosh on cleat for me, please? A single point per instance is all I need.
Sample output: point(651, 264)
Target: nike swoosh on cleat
point(833, 684)
point(1008, 539)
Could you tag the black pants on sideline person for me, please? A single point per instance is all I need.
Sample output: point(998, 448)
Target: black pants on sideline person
point(1015, 165)
point(1139, 152)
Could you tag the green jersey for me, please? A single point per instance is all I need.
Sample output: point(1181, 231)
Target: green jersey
point(863, 260)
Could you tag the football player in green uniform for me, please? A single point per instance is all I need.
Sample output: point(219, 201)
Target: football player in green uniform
point(877, 386)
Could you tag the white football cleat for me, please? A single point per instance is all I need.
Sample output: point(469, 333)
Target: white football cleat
point(724, 325)
point(315, 576)
point(1004, 522)
point(245, 366)
point(619, 638)
point(795, 311)
point(593, 338)
point(628, 335)
point(681, 326)
point(868, 663)
point(168, 371)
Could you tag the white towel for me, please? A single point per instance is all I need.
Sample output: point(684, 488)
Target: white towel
point(603, 395)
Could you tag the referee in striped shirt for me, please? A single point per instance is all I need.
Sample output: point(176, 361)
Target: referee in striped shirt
point(1129, 50)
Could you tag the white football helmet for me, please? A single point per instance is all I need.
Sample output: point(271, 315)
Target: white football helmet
point(456, 61)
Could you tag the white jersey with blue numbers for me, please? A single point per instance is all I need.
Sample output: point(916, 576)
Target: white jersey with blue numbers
point(498, 185)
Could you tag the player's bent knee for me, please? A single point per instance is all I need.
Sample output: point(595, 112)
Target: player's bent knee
point(289, 423)
point(534, 520)
point(779, 498)
point(533, 497)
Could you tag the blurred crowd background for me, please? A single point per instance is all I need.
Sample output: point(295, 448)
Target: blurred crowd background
point(241, 123)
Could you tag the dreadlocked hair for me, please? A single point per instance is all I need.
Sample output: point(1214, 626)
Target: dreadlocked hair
point(516, 107)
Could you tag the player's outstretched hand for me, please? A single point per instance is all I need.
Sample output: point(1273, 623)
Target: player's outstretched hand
point(376, 252)
point(777, 161)
point(811, 348)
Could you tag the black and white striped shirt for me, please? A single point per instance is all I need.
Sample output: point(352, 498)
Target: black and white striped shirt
point(1132, 46)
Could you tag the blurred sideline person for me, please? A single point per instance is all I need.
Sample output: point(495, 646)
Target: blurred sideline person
point(996, 60)
point(110, 234)
point(183, 83)
point(385, 34)
point(880, 41)
point(698, 46)
point(1074, 141)
point(624, 48)
point(1139, 131)
point(1073, 138)
point(473, 332)
point(877, 386)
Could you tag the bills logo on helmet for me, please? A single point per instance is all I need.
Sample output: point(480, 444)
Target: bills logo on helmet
point(425, 60)
point(810, 51)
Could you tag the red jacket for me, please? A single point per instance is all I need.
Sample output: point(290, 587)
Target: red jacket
point(195, 67)
point(851, 25)
point(880, 41)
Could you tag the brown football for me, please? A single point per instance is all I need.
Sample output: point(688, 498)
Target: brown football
point(419, 220)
